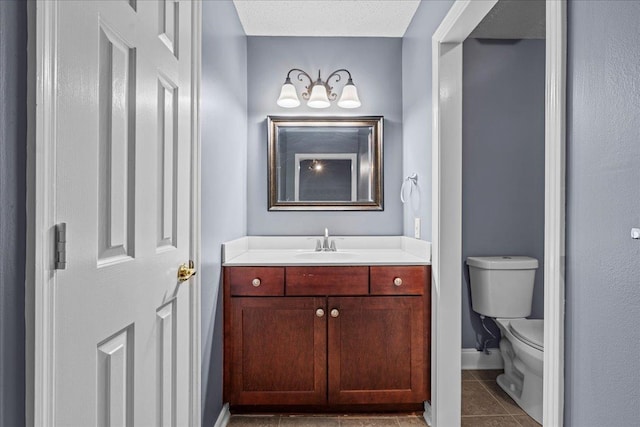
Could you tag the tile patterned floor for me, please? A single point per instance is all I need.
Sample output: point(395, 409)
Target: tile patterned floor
point(484, 404)
point(326, 421)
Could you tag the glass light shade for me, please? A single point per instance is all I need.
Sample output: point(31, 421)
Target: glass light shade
point(318, 98)
point(288, 96)
point(349, 98)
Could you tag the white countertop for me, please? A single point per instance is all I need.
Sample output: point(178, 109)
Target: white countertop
point(352, 250)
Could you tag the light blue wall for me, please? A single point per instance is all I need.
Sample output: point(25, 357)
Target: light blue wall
point(376, 67)
point(416, 110)
point(13, 155)
point(602, 333)
point(224, 171)
point(502, 163)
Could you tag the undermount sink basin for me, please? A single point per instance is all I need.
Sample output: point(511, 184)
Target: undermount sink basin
point(327, 256)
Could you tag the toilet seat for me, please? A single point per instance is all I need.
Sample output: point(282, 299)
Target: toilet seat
point(529, 331)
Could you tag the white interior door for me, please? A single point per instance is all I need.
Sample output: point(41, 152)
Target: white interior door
point(123, 187)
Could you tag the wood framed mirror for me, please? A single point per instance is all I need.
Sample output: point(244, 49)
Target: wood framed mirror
point(325, 163)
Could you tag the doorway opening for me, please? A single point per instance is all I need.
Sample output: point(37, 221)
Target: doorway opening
point(447, 60)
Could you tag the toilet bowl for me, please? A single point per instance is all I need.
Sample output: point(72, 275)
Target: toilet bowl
point(502, 288)
point(522, 350)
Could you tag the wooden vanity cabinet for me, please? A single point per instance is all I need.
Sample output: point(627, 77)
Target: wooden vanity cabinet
point(279, 351)
point(376, 350)
point(340, 337)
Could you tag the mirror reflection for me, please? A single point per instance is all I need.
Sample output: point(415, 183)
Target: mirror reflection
point(325, 163)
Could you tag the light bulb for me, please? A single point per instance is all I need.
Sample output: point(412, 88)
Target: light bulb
point(288, 96)
point(349, 98)
point(318, 98)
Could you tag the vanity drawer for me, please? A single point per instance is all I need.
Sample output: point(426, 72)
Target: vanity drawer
point(327, 281)
point(256, 281)
point(398, 280)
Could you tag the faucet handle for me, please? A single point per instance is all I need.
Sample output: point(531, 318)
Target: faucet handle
point(333, 246)
point(318, 245)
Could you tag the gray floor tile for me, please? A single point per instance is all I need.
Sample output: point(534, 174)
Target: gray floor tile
point(309, 421)
point(254, 421)
point(526, 421)
point(411, 421)
point(476, 400)
point(504, 399)
point(468, 376)
point(487, 374)
point(369, 422)
point(490, 421)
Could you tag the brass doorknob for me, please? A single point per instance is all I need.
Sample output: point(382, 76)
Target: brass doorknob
point(186, 271)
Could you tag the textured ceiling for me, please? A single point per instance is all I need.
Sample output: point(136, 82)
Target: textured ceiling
point(326, 18)
point(513, 19)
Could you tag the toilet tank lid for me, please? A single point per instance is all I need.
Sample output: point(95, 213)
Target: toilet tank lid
point(503, 262)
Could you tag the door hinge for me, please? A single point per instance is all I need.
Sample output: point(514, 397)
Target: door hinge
point(61, 246)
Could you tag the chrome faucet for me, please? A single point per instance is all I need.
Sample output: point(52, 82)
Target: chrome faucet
point(325, 242)
point(326, 246)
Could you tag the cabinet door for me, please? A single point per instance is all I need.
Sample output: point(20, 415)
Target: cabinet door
point(279, 351)
point(376, 350)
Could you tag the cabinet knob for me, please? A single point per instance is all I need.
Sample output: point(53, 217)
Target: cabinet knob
point(397, 281)
point(335, 312)
point(256, 282)
point(320, 312)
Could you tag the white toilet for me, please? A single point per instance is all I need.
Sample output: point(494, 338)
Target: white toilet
point(502, 288)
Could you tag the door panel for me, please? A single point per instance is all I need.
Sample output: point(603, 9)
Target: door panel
point(123, 155)
point(279, 349)
point(376, 350)
point(116, 156)
point(168, 24)
point(167, 161)
point(166, 358)
point(115, 379)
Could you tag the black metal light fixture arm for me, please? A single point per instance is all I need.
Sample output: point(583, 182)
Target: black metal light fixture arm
point(301, 73)
point(338, 77)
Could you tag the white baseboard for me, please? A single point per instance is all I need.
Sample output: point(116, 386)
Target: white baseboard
point(427, 413)
point(474, 359)
point(223, 418)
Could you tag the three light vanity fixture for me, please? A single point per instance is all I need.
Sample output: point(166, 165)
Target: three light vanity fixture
point(319, 93)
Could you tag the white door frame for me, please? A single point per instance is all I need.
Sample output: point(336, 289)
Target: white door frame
point(41, 192)
point(195, 380)
point(447, 41)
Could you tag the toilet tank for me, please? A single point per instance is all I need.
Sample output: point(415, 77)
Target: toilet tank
point(502, 286)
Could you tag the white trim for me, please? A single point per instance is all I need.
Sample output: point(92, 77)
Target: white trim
point(463, 15)
point(223, 417)
point(474, 359)
point(446, 326)
point(554, 216)
point(462, 18)
point(29, 303)
point(195, 380)
point(447, 218)
point(40, 217)
point(427, 413)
